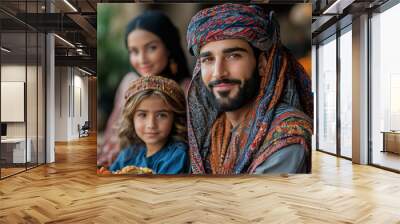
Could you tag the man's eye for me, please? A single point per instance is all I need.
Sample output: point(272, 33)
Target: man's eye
point(234, 56)
point(206, 60)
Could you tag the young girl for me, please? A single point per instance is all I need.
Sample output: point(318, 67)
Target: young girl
point(154, 47)
point(153, 129)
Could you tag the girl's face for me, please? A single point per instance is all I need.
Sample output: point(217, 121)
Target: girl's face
point(153, 120)
point(147, 53)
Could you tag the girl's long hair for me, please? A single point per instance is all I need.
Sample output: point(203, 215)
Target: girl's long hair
point(127, 133)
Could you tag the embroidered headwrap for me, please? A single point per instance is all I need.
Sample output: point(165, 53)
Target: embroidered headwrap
point(164, 85)
point(284, 104)
point(232, 20)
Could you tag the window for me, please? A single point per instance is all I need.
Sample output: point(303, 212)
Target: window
point(385, 86)
point(346, 93)
point(327, 96)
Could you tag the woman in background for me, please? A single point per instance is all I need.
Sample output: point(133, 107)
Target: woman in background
point(154, 48)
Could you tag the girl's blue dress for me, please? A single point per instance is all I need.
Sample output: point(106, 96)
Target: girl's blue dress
point(171, 159)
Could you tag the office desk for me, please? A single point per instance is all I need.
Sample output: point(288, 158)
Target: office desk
point(15, 148)
point(391, 141)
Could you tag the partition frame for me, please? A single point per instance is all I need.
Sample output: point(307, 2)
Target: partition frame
point(338, 34)
point(44, 83)
point(386, 6)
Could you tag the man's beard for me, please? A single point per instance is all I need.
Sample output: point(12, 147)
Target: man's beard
point(247, 91)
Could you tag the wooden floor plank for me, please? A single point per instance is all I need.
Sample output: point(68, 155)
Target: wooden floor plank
point(69, 191)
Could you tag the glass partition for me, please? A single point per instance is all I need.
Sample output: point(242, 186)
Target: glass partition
point(22, 89)
point(345, 93)
point(327, 96)
point(13, 108)
point(385, 89)
point(41, 86)
point(31, 98)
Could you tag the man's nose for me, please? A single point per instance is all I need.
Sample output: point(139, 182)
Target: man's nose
point(220, 70)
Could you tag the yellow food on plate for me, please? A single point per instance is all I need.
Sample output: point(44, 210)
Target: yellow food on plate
point(103, 170)
point(134, 170)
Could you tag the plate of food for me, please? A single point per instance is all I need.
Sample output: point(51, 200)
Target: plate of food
point(103, 170)
point(134, 170)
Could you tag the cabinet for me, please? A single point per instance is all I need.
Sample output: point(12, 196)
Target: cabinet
point(391, 141)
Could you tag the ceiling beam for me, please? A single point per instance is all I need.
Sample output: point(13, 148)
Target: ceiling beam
point(86, 27)
point(83, 61)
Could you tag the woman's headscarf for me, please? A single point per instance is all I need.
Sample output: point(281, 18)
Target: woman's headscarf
point(283, 82)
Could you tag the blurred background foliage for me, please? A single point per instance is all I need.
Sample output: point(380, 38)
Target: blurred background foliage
point(112, 60)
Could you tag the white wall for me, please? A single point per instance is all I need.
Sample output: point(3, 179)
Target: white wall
point(71, 87)
point(16, 73)
point(61, 103)
point(13, 73)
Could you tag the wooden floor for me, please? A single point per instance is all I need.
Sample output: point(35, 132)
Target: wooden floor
point(10, 171)
point(70, 192)
point(387, 159)
point(5, 172)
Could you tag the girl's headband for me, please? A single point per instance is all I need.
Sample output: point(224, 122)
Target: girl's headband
point(164, 85)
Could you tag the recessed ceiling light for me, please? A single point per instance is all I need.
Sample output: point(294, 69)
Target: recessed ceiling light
point(337, 7)
point(70, 5)
point(5, 49)
point(64, 40)
point(84, 71)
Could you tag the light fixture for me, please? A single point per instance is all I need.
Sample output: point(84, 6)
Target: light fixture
point(70, 5)
point(331, 7)
point(337, 7)
point(80, 51)
point(84, 71)
point(5, 49)
point(64, 40)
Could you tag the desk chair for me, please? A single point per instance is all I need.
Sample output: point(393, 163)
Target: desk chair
point(84, 130)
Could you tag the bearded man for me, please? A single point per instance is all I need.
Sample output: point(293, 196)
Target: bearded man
point(250, 104)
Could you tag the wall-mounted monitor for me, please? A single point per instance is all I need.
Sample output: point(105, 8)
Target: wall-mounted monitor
point(12, 101)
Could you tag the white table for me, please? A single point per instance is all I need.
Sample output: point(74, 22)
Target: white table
point(18, 145)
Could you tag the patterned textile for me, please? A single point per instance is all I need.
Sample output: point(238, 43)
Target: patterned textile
point(284, 84)
point(165, 85)
point(250, 23)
